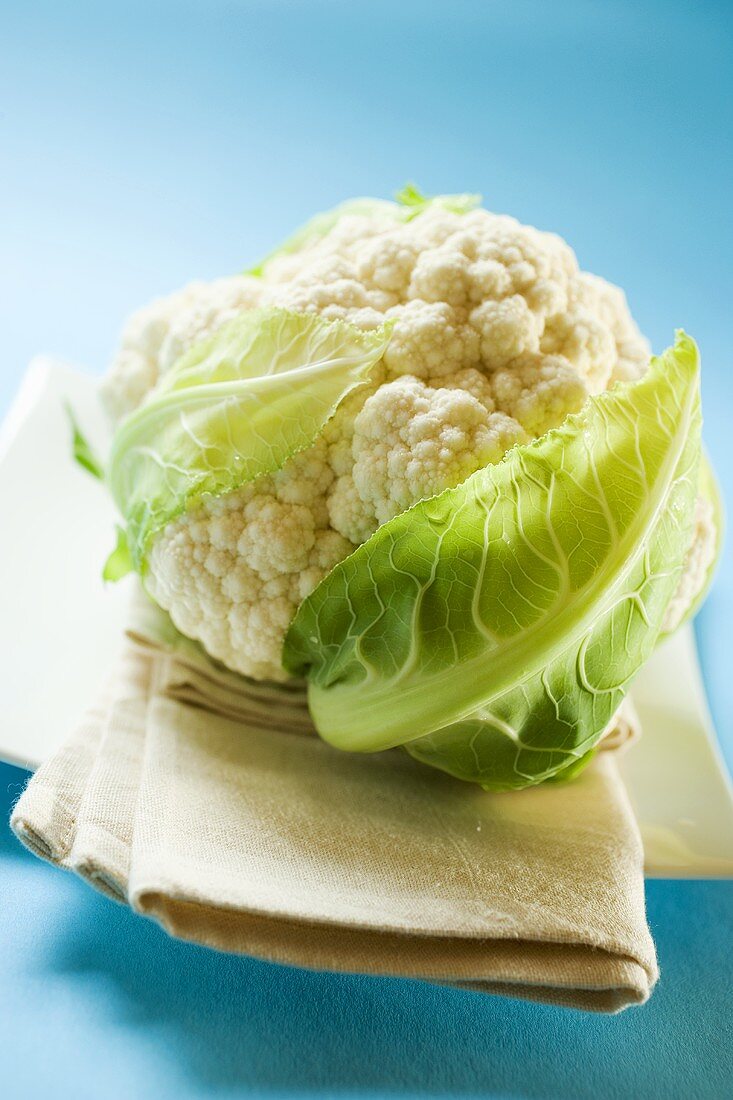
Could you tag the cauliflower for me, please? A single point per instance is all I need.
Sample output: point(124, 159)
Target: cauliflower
point(497, 336)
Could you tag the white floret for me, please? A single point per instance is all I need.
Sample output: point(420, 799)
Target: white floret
point(507, 329)
point(430, 340)
point(156, 336)
point(538, 391)
point(130, 379)
point(207, 310)
point(232, 572)
point(594, 297)
point(698, 562)
point(135, 368)
point(386, 262)
point(350, 514)
point(441, 275)
point(412, 441)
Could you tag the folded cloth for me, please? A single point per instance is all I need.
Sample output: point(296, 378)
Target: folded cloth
point(234, 831)
point(194, 678)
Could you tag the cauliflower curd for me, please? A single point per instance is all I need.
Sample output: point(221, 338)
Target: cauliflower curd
point(497, 336)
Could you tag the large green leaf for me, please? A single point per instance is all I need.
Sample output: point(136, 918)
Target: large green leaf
point(236, 406)
point(495, 628)
point(409, 203)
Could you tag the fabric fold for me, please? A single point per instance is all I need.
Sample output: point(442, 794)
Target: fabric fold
point(234, 831)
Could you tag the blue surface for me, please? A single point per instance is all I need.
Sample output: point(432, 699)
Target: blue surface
point(144, 144)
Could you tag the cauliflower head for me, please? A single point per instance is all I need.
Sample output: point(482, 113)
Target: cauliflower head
point(497, 336)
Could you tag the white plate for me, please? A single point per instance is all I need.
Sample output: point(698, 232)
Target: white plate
point(61, 627)
point(59, 623)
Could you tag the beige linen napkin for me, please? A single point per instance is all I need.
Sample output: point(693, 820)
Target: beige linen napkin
point(183, 795)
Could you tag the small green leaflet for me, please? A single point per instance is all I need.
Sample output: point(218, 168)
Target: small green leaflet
point(413, 202)
point(494, 629)
point(81, 448)
point(233, 408)
point(119, 563)
point(409, 203)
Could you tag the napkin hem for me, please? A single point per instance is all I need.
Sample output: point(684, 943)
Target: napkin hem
point(594, 978)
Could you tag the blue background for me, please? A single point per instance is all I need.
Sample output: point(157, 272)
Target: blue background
point(146, 144)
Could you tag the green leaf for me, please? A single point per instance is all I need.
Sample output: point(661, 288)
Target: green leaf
point(494, 629)
point(81, 448)
point(236, 406)
point(411, 195)
point(572, 770)
point(119, 563)
point(409, 203)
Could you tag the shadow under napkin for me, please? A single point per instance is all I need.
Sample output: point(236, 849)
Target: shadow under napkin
point(237, 1023)
point(12, 785)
